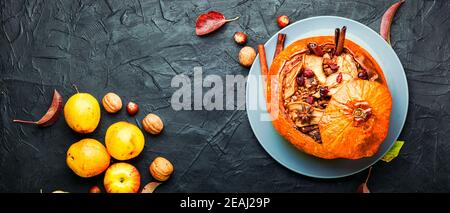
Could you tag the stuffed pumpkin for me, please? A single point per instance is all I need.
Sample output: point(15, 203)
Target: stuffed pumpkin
point(329, 99)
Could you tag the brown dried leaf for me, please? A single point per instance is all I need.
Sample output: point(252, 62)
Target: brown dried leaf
point(386, 21)
point(52, 113)
point(150, 187)
point(363, 188)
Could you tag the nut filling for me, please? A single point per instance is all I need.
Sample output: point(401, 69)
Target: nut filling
point(312, 76)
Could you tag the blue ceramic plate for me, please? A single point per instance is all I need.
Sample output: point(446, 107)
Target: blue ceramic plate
point(285, 153)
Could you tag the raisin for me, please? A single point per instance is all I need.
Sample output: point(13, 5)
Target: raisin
point(363, 75)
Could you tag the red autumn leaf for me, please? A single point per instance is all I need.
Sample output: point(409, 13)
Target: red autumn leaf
point(210, 21)
point(386, 21)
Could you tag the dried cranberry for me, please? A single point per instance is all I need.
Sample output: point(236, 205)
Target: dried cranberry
point(339, 78)
point(362, 75)
point(323, 91)
point(300, 80)
point(333, 66)
point(310, 100)
point(308, 73)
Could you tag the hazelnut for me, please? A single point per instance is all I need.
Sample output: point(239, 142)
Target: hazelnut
point(152, 124)
point(283, 21)
point(240, 38)
point(246, 56)
point(161, 169)
point(132, 108)
point(112, 102)
point(95, 189)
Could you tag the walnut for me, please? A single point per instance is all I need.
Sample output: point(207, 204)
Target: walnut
point(152, 124)
point(112, 102)
point(161, 169)
point(246, 56)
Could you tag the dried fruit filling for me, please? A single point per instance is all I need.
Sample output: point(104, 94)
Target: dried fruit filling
point(312, 76)
point(328, 99)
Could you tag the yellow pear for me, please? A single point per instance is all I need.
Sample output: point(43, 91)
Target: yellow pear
point(124, 140)
point(82, 113)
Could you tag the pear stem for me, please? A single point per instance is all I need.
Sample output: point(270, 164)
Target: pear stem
point(25, 122)
point(76, 88)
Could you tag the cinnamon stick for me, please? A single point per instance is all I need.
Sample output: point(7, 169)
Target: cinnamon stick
point(341, 40)
point(336, 37)
point(280, 44)
point(263, 61)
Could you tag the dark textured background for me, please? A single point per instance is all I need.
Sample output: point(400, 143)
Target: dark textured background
point(134, 48)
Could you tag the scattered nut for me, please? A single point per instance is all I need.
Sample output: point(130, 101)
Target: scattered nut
point(246, 56)
point(112, 102)
point(95, 189)
point(283, 21)
point(161, 169)
point(152, 124)
point(132, 108)
point(240, 38)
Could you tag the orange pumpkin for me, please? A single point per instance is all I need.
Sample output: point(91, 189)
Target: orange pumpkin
point(356, 120)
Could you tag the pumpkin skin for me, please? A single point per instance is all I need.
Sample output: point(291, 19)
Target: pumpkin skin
point(342, 137)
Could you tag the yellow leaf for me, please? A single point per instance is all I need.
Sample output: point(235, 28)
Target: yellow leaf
point(393, 153)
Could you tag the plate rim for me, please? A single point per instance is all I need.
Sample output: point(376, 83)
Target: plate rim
point(405, 93)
